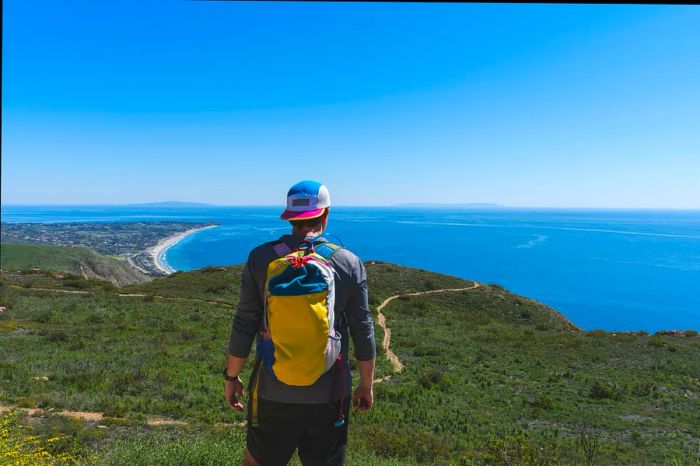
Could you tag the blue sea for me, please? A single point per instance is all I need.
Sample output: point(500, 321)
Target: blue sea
point(609, 269)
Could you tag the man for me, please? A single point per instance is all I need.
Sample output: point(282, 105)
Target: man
point(312, 418)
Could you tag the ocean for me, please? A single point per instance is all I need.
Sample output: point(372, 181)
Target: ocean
point(610, 269)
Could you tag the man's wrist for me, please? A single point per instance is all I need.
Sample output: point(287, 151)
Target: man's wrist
point(230, 378)
point(365, 384)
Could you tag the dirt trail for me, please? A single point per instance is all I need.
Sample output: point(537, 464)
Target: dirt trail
point(55, 290)
point(87, 415)
point(127, 295)
point(381, 320)
point(176, 298)
point(95, 416)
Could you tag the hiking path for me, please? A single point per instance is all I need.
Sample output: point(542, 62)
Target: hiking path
point(381, 320)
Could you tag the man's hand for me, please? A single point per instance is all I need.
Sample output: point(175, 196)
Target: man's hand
point(234, 389)
point(362, 397)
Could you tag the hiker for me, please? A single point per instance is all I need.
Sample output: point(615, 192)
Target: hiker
point(299, 295)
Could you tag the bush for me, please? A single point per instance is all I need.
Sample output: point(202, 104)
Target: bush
point(425, 447)
point(430, 378)
point(601, 390)
point(48, 317)
point(19, 448)
point(637, 439)
point(541, 402)
point(425, 350)
point(57, 335)
point(517, 448)
point(76, 344)
point(656, 342)
point(175, 449)
point(76, 283)
point(641, 389)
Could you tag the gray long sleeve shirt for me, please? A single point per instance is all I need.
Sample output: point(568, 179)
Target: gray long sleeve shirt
point(351, 310)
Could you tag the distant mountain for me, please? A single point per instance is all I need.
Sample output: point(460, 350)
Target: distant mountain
point(173, 204)
point(471, 205)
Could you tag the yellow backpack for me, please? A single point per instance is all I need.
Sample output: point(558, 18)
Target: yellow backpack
point(299, 341)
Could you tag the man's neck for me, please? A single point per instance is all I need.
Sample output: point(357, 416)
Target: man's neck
point(306, 232)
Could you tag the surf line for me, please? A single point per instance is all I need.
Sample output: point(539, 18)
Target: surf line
point(158, 251)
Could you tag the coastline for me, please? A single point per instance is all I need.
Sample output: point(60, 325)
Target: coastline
point(158, 251)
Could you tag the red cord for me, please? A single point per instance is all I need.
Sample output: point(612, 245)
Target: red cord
point(298, 261)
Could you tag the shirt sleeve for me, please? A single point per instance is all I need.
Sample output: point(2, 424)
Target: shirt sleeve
point(248, 318)
point(360, 318)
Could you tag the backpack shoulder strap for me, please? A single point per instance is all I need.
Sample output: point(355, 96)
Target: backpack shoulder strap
point(281, 249)
point(326, 249)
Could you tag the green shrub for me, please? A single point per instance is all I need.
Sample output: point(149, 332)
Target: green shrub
point(425, 447)
point(56, 335)
point(602, 390)
point(426, 350)
point(519, 448)
point(175, 448)
point(541, 402)
point(656, 342)
point(76, 283)
point(430, 378)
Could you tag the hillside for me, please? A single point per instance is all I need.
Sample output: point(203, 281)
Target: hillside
point(489, 377)
point(74, 260)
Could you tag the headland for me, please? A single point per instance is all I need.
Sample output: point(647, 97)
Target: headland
point(141, 244)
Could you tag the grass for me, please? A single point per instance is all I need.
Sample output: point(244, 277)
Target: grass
point(474, 368)
point(213, 448)
point(490, 378)
point(73, 260)
point(210, 283)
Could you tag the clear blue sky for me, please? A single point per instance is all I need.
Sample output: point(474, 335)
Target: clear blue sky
point(230, 103)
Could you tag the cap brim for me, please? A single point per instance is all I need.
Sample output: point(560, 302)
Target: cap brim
point(292, 215)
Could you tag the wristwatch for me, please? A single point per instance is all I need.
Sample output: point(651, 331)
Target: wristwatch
point(229, 378)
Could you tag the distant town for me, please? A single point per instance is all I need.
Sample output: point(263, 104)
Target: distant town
point(131, 240)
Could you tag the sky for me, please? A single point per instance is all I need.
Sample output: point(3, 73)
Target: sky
point(231, 103)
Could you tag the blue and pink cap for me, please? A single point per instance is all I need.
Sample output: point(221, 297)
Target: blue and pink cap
point(306, 199)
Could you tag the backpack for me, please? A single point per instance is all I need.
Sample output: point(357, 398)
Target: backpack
point(299, 340)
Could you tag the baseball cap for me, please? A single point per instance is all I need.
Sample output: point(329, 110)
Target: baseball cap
point(306, 199)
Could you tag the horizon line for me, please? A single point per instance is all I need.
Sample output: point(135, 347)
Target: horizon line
point(410, 205)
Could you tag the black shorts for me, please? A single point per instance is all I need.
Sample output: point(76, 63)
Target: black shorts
point(283, 427)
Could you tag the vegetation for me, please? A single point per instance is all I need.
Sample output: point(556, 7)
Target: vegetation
point(19, 447)
point(490, 378)
point(218, 446)
point(210, 283)
point(74, 260)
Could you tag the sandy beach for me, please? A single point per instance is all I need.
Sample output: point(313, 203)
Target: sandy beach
point(158, 251)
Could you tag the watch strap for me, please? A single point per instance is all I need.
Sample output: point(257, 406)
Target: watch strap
point(229, 378)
